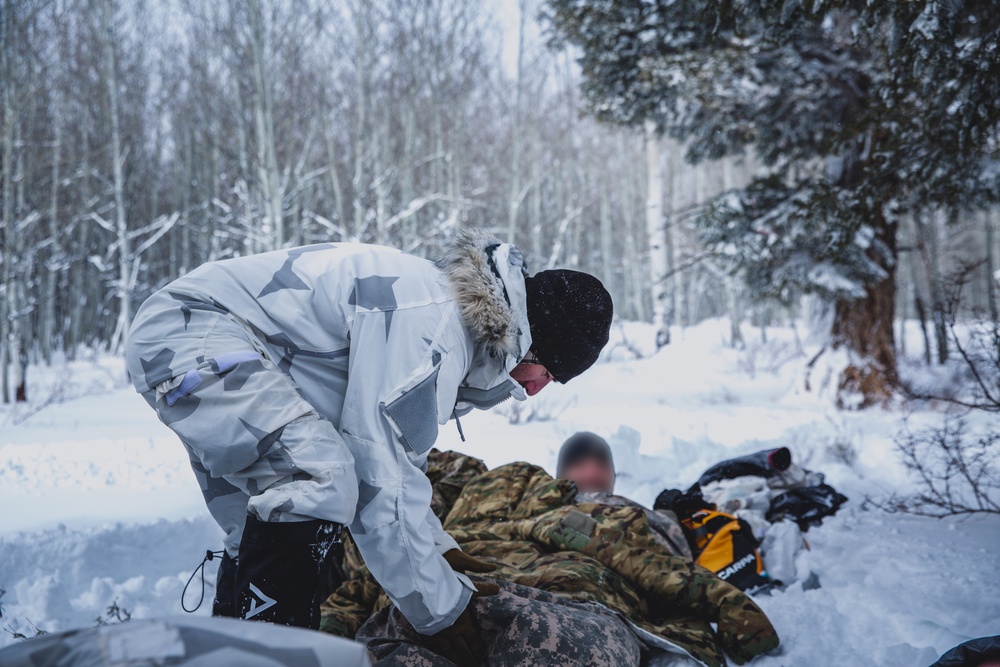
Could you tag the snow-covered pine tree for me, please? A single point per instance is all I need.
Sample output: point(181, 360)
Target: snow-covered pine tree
point(861, 110)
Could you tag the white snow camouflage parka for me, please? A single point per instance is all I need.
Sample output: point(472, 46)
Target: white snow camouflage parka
point(384, 345)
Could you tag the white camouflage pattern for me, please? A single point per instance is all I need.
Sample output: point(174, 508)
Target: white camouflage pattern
point(310, 383)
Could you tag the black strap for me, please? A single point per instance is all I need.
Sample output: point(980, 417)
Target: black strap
point(209, 555)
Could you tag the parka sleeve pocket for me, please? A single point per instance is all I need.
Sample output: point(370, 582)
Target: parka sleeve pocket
point(414, 415)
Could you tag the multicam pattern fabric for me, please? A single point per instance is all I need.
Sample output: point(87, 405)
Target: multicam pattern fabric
point(613, 560)
point(449, 472)
point(666, 529)
point(533, 528)
point(310, 382)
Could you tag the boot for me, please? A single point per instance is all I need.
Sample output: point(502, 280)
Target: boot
point(225, 588)
point(281, 570)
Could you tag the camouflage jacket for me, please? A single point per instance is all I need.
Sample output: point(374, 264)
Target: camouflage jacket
point(532, 526)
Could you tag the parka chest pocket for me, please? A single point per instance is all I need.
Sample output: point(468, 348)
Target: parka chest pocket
point(413, 415)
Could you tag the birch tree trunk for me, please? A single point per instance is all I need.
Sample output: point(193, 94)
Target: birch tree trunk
point(79, 268)
point(7, 309)
point(635, 272)
point(380, 184)
point(118, 156)
point(734, 296)
point(607, 267)
point(21, 324)
point(53, 268)
point(927, 241)
point(672, 246)
point(338, 193)
point(188, 162)
point(921, 308)
point(267, 152)
point(535, 218)
point(360, 13)
point(992, 275)
point(514, 203)
point(655, 231)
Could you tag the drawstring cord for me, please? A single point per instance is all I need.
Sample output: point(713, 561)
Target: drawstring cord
point(209, 555)
point(458, 423)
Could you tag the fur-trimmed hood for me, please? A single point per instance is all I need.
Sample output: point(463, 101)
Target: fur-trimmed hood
point(487, 279)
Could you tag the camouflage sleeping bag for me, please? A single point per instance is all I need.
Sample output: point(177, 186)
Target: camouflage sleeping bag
point(544, 539)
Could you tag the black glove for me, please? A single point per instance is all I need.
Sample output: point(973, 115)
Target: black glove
point(666, 499)
point(460, 642)
point(680, 503)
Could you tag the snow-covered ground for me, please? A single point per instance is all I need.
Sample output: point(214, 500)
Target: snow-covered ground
point(97, 503)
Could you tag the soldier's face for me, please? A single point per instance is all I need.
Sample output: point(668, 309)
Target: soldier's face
point(532, 376)
point(591, 475)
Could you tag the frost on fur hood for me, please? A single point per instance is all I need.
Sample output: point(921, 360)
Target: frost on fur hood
point(487, 279)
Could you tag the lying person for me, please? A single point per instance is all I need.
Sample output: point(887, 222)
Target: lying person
point(550, 548)
point(586, 460)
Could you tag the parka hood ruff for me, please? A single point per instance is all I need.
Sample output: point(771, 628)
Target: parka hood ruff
point(487, 279)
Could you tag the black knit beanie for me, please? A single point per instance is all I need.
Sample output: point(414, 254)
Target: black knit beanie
point(580, 446)
point(569, 313)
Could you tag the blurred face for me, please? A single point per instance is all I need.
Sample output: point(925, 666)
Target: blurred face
point(531, 375)
point(591, 475)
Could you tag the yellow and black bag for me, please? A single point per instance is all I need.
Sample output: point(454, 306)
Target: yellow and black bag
point(725, 545)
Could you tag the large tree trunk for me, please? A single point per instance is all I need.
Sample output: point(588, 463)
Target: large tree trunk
point(865, 328)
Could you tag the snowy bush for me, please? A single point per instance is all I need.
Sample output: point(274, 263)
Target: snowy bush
point(958, 470)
